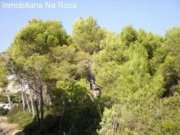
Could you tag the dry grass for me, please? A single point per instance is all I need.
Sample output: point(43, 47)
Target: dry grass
point(7, 128)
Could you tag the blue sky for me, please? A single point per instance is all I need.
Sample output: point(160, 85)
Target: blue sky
point(156, 16)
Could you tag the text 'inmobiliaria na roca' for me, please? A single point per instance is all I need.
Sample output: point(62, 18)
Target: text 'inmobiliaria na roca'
point(37, 5)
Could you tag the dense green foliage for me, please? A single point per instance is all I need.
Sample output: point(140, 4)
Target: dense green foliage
point(138, 74)
point(3, 72)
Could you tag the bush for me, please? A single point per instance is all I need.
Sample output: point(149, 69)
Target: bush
point(22, 118)
point(3, 99)
point(3, 111)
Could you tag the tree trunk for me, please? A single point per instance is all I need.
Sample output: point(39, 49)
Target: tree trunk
point(9, 99)
point(37, 109)
point(32, 104)
point(22, 96)
point(27, 102)
point(41, 108)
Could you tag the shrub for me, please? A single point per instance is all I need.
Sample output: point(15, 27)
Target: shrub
point(3, 111)
point(22, 118)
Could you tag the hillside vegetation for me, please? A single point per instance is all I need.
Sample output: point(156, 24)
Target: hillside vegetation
point(93, 82)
